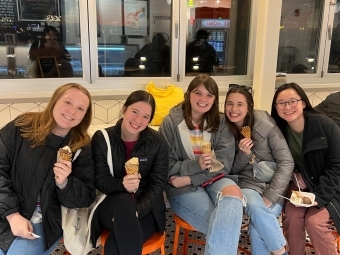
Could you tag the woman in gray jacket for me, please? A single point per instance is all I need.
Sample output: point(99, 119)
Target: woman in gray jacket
point(264, 166)
point(216, 209)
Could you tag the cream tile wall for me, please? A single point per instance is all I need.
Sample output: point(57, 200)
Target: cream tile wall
point(106, 112)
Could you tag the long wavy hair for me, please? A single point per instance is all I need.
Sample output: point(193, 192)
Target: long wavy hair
point(36, 126)
point(281, 123)
point(212, 116)
point(248, 120)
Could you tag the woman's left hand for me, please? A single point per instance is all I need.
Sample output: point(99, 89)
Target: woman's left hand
point(245, 145)
point(179, 181)
point(62, 170)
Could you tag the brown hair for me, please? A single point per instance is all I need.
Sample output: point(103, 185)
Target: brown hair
point(212, 116)
point(36, 126)
point(248, 120)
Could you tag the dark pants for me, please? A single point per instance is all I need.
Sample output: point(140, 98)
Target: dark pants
point(117, 214)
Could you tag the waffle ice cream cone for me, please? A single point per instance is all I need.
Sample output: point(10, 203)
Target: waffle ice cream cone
point(131, 166)
point(206, 147)
point(64, 154)
point(246, 132)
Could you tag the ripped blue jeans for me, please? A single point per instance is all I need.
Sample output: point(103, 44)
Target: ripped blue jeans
point(264, 228)
point(219, 218)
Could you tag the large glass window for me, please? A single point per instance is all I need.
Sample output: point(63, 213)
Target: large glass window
point(334, 55)
point(217, 37)
point(300, 31)
point(39, 39)
point(134, 38)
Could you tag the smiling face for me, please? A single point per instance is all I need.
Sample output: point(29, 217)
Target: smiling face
point(236, 108)
point(201, 101)
point(69, 111)
point(136, 118)
point(293, 115)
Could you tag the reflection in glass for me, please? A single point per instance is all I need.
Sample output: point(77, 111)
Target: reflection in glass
point(217, 37)
point(134, 38)
point(299, 36)
point(334, 55)
point(42, 32)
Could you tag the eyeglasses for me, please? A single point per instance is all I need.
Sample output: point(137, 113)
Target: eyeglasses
point(292, 103)
point(244, 87)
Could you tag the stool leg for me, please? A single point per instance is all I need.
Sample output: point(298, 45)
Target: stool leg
point(174, 250)
point(185, 243)
point(162, 250)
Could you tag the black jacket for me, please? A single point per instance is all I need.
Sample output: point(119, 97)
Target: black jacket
point(321, 162)
point(26, 171)
point(153, 155)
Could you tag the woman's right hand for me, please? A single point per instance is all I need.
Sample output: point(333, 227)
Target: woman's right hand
point(245, 145)
point(205, 161)
point(131, 182)
point(20, 226)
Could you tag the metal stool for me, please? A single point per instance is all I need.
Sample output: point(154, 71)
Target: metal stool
point(180, 223)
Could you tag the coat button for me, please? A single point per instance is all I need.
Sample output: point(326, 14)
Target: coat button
point(312, 178)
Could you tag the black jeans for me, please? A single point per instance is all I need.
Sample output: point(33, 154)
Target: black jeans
point(117, 214)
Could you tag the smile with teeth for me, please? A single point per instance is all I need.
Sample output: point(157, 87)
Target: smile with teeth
point(68, 117)
point(202, 104)
point(134, 125)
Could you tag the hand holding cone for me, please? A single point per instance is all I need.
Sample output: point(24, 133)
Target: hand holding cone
point(64, 153)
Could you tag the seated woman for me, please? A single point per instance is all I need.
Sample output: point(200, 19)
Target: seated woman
point(264, 143)
point(216, 209)
point(46, 46)
point(134, 207)
point(314, 141)
point(33, 185)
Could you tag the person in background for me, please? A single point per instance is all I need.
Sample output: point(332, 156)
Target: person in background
point(49, 45)
point(134, 208)
point(214, 210)
point(314, 141)
point(155, 56)
point(200, 55)
point(32, 185)
point(330, 106)
point(266, 146)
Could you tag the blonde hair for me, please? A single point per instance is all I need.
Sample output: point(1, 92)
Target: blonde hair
point(36, 126)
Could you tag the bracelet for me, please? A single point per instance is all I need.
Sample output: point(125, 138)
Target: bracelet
point(62, 184)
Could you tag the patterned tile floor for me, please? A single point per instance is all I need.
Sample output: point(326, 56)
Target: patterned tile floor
point(194, 249)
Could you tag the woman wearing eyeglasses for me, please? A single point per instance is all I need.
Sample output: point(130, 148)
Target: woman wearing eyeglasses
point(314, 141)
point(264, 166)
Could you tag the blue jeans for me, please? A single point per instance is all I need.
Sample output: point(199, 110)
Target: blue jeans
point(264, 229)
point(30, 247)
point(219, 218)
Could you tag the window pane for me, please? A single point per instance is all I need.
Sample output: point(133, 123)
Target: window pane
point(218, 37)
point(334, 56)
point(134, 38)
point(299, 36)
point(39, 39)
